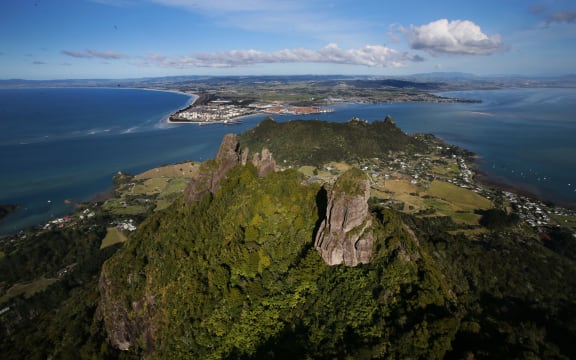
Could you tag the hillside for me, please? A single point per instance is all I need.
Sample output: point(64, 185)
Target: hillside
point(237, 276)
point(357, 247)
point(314, 142)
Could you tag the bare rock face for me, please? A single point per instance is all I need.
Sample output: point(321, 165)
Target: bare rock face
point(126, 332)
point(264, 162)
point(212, 172)
point(345, 235)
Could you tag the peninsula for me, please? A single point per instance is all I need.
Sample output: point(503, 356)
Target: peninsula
point(226, 100)
point(210, 109)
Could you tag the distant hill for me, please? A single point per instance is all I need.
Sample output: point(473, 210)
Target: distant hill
point(317, 142)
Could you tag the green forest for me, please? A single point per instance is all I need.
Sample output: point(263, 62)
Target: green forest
point(235, 275)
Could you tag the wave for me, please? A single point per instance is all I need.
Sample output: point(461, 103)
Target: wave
point(130, 130)
point(57, 137)
point(479, 113)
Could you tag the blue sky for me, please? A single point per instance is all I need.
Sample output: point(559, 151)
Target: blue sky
point(65, 39)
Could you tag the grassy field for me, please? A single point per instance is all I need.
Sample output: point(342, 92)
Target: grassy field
point(307, 170)
point(447, 199)
point(119, 207)
point(155, 188)
point(113, 236)
point(150, 186)
point(186, 170)
point(456, 202)
point(449, 170)
point(462, 198)
point(400, 190)
point(340, 166)
point(569, 221)
point(28, 289)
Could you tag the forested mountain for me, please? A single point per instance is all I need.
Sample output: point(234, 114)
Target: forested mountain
point(252, 263)
point(315, 142)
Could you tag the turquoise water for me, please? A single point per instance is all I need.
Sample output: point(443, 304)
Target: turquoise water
point(66, 144)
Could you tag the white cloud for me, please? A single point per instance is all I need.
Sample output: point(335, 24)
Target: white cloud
point(370, 55)
point(89, 53)
point(453, 37)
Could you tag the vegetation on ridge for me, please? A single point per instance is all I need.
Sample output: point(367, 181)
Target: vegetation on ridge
point(235, 274)
point(243, 280)
point(315, 142)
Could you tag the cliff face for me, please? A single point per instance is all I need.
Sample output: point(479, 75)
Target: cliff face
point(345, 235)
point(126, 332)
point(229, 155)
point(264, 162)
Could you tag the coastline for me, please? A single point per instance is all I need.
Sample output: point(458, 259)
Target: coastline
point(166, 119)
point(501, 183)
point(493, 181)
point(234, 121)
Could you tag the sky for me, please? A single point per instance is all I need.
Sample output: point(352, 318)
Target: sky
point(80, 39)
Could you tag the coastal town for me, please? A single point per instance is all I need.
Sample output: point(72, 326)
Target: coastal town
point(230, 112)
point(213, 112)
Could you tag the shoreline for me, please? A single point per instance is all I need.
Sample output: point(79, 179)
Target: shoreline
point(499, 183)
point(490, 180)
point(233, 121)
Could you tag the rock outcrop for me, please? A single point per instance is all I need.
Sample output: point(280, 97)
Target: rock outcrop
point(345, 235)
point(126, 332)
point(212, 172)
point(264, 162)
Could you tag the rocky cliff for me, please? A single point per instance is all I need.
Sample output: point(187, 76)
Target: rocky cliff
point(229, 155)
point(125, 331)
point(345, 235)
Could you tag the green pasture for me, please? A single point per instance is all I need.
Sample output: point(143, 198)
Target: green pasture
point(28, 289)
point(113, 236)
point(456, 202)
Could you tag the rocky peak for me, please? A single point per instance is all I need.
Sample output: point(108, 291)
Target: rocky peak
point(264, 162)
point(212, 172)
point(388, 120)
point(345, 235)
point(228, 150)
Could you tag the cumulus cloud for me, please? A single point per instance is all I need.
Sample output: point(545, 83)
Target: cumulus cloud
point(370, 55)
point(453, 37)
point(88, 53)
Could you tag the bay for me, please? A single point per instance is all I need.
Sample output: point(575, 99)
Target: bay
point(66, 144)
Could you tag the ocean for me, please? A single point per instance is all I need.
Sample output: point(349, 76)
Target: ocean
point(63, 146)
